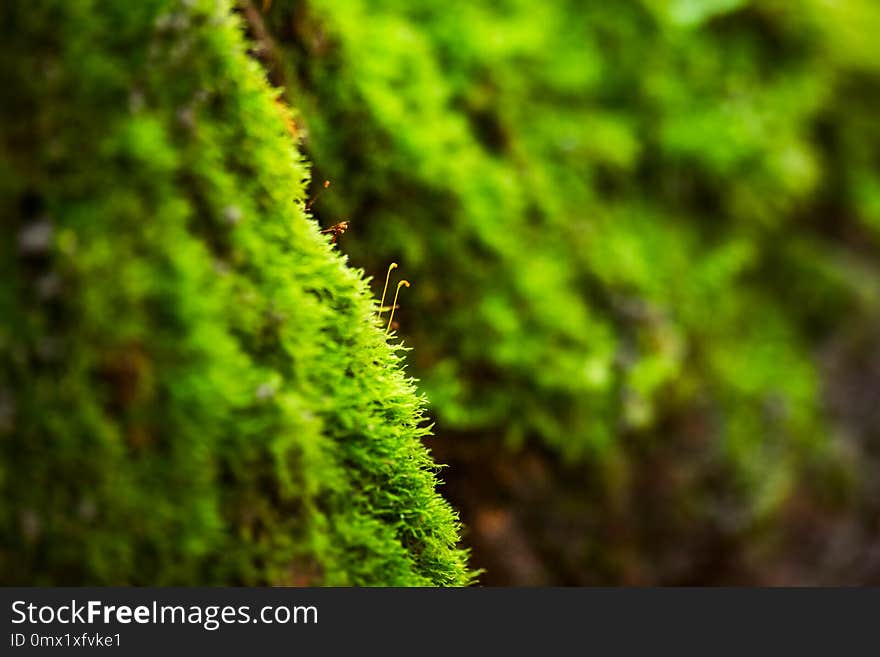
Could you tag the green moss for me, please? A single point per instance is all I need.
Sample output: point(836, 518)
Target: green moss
point(620, 218)
point(194, 386)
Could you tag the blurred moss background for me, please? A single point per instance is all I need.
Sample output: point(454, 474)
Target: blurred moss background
point(645, 312)
point(642, 237)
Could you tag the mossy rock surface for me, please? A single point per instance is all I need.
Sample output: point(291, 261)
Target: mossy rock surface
point(195, 389)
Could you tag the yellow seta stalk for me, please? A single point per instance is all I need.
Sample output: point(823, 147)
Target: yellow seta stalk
point(393, 265)
point(394, 305)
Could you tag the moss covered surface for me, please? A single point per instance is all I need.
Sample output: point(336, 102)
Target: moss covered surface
point(633, 228)
point(194, 386)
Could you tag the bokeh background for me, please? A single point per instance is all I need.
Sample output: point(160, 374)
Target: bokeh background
point(643, 241)
point(642, 238)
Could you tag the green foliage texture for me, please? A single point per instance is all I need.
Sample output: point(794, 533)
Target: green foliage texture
point(632, 228)
point(194, 388)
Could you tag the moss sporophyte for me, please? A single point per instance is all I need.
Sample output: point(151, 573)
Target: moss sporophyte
point(318, 195)
point(382, 307)
point(393, 306)
point(336, 231)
